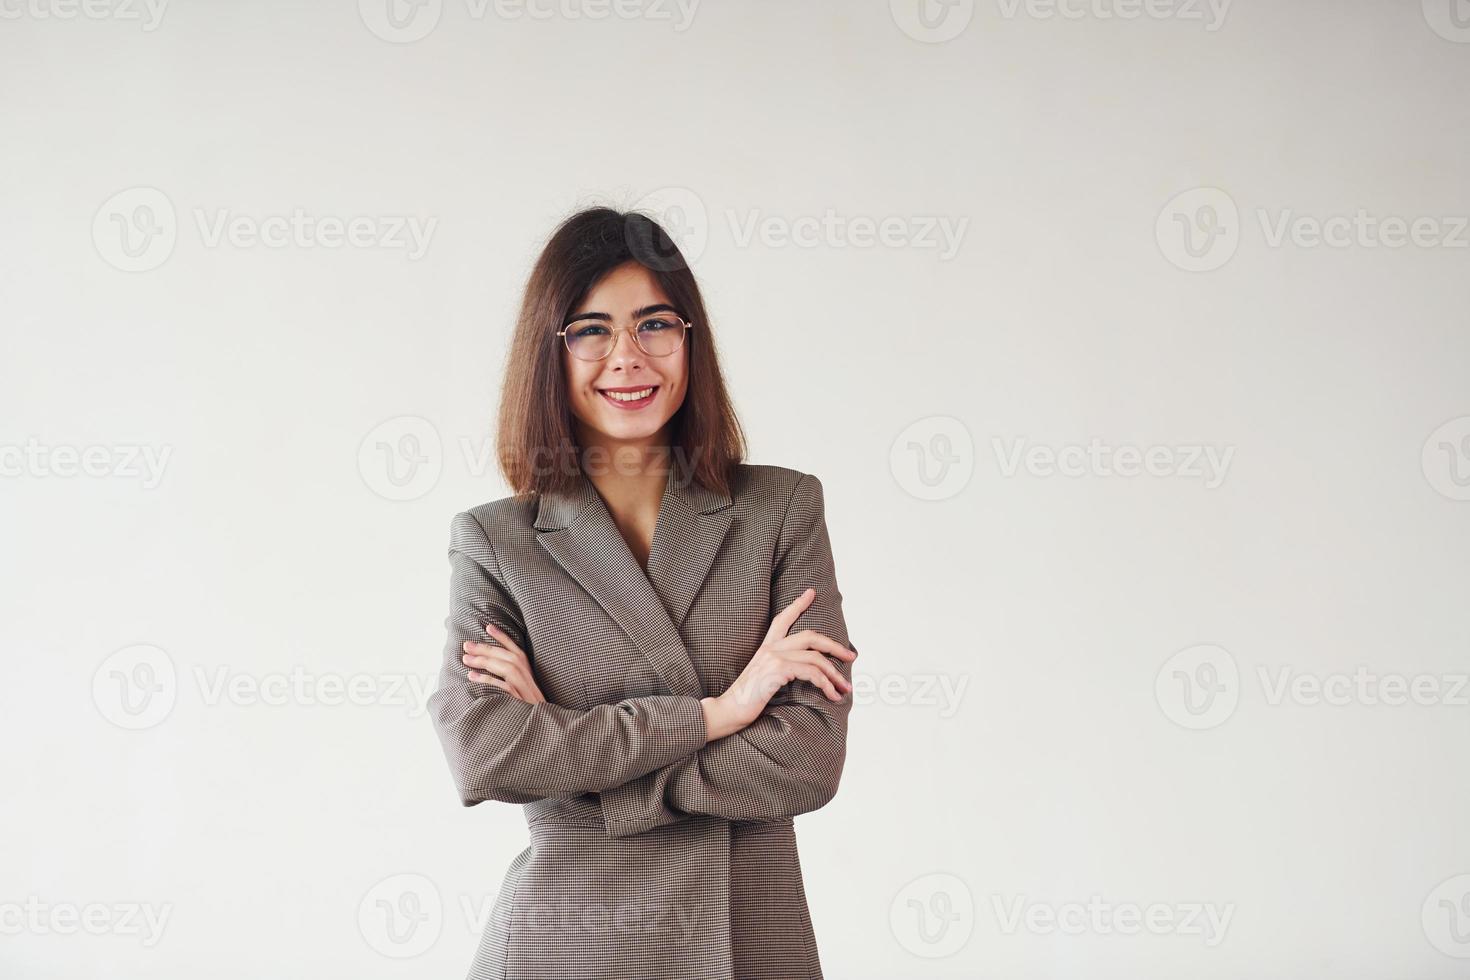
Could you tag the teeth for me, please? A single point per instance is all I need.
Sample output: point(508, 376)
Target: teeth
point(628, 396)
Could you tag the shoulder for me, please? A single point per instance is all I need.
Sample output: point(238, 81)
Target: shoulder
point(776, 487)
point(497, 520)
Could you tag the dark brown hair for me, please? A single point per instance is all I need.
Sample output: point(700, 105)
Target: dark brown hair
point(536, 441)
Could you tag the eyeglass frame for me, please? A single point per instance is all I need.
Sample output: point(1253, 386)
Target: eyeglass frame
point(632, 329)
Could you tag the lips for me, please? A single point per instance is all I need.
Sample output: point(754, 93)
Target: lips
point(629, 397)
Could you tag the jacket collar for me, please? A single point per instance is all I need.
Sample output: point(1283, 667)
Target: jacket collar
point(578, 531)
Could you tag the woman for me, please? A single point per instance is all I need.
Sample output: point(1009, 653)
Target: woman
point(646, 643)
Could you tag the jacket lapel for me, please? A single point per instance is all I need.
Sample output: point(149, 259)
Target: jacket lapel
point(579, 532)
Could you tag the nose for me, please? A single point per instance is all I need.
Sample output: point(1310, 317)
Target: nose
point(628, 352)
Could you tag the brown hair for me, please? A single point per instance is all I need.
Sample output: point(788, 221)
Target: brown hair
point(535, 425)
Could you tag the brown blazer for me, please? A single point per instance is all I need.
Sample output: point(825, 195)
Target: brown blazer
point(654, 853)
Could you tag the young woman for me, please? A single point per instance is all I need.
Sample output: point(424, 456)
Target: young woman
point(646, 642)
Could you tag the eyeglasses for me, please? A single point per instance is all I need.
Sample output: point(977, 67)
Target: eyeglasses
point(656, 336)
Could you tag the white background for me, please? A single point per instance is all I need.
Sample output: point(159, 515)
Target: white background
point(1112, 645)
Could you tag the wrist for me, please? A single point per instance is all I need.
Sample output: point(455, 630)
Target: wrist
point(718, 719)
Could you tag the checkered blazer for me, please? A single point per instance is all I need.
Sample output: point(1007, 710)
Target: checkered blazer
point(654, 853)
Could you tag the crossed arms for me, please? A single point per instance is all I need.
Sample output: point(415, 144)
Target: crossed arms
point(648, 758)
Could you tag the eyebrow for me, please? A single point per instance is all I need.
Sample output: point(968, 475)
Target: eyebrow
point(637, 314)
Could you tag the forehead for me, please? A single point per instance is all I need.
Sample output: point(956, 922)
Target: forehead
point(624, 288)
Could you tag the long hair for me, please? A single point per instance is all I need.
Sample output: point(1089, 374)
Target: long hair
point(536, 439)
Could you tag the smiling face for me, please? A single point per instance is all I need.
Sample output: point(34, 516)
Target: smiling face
point(600, 391)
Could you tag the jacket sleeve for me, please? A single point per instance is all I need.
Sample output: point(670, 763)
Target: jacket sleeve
point(502, 748)
point(790, 759)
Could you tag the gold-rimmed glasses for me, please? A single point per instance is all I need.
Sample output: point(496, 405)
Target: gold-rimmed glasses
point(657, 335)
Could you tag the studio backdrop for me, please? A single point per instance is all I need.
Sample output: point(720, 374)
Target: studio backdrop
point(1128, 340)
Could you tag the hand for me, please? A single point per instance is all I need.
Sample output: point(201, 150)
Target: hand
point(781, 659)
point(505, 666)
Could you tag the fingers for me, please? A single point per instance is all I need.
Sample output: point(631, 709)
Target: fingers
point(812, 640)
point(829, 670)
point(814, 674)
point(493, 681)
point(835, 672)
point(786, 618)
point(503, 638)
point(511, 666)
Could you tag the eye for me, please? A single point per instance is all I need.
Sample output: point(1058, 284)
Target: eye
point(585, 330)
point(655, 325)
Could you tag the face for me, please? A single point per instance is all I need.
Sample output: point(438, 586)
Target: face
point(628, 296)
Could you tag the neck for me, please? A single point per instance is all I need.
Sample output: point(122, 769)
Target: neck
point(630, 479)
